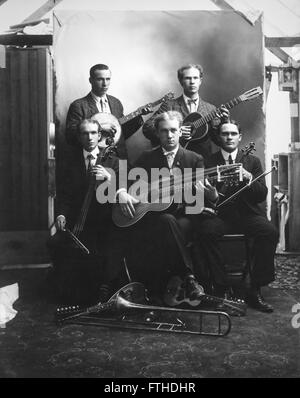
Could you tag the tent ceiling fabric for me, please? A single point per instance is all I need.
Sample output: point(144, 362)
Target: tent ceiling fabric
point(281, 17)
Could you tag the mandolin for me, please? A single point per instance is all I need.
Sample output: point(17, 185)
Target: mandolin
point(175, 296)
point(104, 118)
point(159, 196)
point(199, 123)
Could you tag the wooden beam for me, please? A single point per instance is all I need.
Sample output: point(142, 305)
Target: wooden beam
point(281, 41)
point(40, 12)
point(26, 40)
point(223, 5)
point(31, 23)
point(282, 55)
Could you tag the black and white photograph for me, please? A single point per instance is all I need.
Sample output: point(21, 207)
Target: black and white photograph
point(150, 191)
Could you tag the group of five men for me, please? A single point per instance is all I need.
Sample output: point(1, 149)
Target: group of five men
point(157, 242)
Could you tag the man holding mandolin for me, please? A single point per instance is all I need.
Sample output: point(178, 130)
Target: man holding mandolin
point(110, 108)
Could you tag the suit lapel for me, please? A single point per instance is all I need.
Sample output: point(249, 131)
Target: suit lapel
point(239, 156)
point(162, 159)
point(92, 104)
point(183, 108)
point(201, 109)
point(178, 157)
point(219, 158)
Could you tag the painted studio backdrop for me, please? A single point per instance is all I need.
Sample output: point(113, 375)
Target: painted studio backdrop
point(144, 49)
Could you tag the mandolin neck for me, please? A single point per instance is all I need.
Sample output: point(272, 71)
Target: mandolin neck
point(138, 112)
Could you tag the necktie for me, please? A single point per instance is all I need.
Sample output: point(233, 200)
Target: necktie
point(192, 104)
point(102, 104)
point(230, 161)
point(170, 159)
point(89, 166)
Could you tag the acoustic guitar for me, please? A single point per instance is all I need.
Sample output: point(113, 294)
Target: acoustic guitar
point(108, 118)
point(158, 196)
point(199, 122)
point(175, 296)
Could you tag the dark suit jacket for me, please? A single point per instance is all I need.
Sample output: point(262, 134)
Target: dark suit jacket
point(203, 147)
point(156, 159)
point(86, 107)
point(247, 202)
point(71, 195)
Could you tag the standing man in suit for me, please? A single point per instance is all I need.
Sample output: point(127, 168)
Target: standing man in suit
point(190, 78)
point(85, 165)
point(161, 237)
point(99, 101)
point(242, 215)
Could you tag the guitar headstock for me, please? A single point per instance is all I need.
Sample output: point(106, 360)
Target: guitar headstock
point(251, 94)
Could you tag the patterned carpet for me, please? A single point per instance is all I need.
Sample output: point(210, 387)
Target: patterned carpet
point(259, 345)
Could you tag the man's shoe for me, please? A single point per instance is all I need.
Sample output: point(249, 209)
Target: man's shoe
point(193, 289)
point(257, 302)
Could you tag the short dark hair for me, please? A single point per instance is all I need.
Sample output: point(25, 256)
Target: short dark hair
point(98, 67)
point(189, 66)
point(169, 115)
point(88, 121)
point(232, 122)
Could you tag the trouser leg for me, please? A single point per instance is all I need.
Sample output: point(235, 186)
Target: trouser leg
point(265, 237)
point(208, 231)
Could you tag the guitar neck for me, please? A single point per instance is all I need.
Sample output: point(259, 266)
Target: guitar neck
point(210, 116)
point(137, 112)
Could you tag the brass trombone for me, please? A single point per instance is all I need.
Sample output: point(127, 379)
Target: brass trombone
point(124, 309)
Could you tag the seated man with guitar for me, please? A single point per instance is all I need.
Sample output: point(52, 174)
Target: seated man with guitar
point(108, 108)
point(190, 104)
point(160, 234)
point(241, 215)
point(84, 234)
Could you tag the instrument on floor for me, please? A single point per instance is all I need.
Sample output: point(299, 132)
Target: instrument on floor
point(108, 118)
point(128, 304)
point(200, 122)
point(158, 196)
point(175, 295)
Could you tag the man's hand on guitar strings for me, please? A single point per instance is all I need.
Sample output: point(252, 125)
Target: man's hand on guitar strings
point(186, 132)
point(127, 203)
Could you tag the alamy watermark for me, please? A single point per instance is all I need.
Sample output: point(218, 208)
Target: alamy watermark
point(296, 318)
point(161, 186)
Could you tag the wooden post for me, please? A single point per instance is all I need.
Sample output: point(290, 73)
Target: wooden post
point(294, 202)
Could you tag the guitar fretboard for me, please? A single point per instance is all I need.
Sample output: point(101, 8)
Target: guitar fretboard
point(210, 116)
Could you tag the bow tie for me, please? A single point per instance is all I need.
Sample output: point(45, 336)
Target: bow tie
point(192, 101)
point(169, 154)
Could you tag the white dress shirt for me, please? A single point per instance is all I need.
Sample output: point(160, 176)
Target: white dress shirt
point(193, 106)
point(226, 155)
point(94, 153)
point(102, 103)
point(170, 155)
